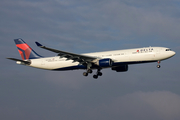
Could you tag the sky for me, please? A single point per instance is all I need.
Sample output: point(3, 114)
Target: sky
point(82, 26)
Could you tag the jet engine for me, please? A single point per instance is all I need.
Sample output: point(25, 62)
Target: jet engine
point(105, 62)
point(122, 68)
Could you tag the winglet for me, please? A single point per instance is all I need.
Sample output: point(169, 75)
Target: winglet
point(38, 44)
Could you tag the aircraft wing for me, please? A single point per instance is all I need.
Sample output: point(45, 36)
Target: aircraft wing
point(83, 59)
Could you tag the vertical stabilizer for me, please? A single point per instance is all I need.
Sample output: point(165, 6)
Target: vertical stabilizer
point(25, 50)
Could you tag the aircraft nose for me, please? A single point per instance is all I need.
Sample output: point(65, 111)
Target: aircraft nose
point(173, 53)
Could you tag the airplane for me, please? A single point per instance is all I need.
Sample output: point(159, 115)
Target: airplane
point(117, 60)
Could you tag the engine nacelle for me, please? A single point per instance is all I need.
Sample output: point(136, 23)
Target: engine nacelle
point(107, 62)
point(122, 68)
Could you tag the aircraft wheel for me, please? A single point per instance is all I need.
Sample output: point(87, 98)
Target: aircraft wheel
point(99, 73)
point(85, 74)
point(89, 71)
point(95, 76)
point(158, 66)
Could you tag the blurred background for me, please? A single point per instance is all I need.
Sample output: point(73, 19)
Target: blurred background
point(81, 26)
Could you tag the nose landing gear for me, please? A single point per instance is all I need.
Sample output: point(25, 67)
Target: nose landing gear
point(158, 66)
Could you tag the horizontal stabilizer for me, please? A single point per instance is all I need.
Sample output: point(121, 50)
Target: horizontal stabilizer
point(20, 61)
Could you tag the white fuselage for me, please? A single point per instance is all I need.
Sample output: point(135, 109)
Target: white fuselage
point(127, 56)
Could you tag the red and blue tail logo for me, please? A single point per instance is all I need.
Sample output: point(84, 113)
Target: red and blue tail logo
point(25, 51)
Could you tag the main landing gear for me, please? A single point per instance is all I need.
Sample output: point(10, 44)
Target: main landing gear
point(88, 71)
point(98, 73)
point(158, 66)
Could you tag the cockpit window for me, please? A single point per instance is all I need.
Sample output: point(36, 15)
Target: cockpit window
point(168, 49)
